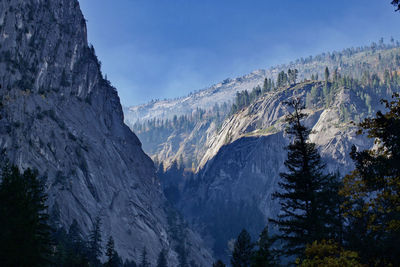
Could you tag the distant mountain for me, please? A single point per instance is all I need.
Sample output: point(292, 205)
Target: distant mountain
point(59, 115)
point(240, 170)
point(220, 165)
point(201, 114)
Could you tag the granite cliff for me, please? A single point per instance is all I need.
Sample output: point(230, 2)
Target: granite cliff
point(61, 116)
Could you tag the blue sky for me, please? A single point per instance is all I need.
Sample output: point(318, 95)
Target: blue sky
point(155, 49)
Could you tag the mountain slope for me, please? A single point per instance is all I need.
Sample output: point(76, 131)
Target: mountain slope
point(190, 143)
point(234, 185)
point(351, 61)
point(61, 116)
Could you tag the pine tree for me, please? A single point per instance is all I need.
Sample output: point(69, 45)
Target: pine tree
point(112, 255)
point(243, 250)
point(326, 74)
point(25, 232)
point(144, 262)
point(77, 251)
point(304, 209)
point(95, 247)
point(266, 85)
point(162, 259)
point(264, 256)
point(373, 202)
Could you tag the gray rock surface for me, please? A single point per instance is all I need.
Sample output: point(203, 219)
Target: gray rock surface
point(192, 146)
point(243, 160)
point(61, 116)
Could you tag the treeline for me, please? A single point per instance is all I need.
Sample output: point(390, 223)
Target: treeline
point(368, 89)
point(182, 122)
point(328, 221)
point(244, 98)
point(28, 236)
point(337, 56)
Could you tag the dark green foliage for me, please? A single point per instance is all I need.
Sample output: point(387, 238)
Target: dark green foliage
point(244, 99)
point(282, 79)
point(219, 263)
point(372, 207)
point(95, 247)
point(368, 90)
point(264, 256)
point(144, 260)
point(304, 208)
point(162, 259)
point(243, 250)
point(25, 233)
point(268, 85)
point(327, 74)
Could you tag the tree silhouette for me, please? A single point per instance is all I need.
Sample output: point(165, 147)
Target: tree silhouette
point(396, 3)
point(25, 233)
point(304, 205)
point(373, 190)
point(243, 250)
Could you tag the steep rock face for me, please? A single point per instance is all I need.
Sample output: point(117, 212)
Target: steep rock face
point(61, 116)
point(234, 190)
point(190, 145)
point(266, 116)
point(242, 164)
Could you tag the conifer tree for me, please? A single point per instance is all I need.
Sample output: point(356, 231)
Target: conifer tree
point(162, 259)
point(304, 208)
point(75, 237)
point(112, 255)
point(24, 230)
point(264, 256)
point(373, 202)
point(78, 251)
point(144, 262)
point(95, 247)
point(243, 250)
point(326, 74)
point(266, 85)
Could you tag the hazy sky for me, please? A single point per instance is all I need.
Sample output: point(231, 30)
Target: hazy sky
point(167, 48)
